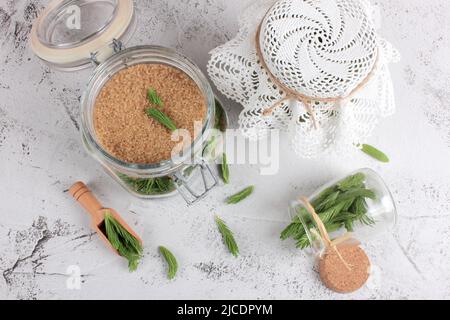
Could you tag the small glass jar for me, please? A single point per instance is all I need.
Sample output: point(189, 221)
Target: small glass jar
point(70, 35)
point(380, 215)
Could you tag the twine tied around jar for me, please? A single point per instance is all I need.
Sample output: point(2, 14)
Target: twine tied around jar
point(324, 233)
point(306, 100)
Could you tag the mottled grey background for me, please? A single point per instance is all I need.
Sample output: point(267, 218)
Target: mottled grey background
point(43, 232)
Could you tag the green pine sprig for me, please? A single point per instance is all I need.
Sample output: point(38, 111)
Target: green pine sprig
point(238, 197)
point(154, 98)
point(149, 186)
point(225, 170)
point(124, 242)
point(171, 262)
point(209, 151)
point(374, 153)
point(219, 121)
point(338, 206)
point(162, 118)
point(227, 236)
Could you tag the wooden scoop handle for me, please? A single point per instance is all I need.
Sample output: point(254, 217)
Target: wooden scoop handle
point(88, 201)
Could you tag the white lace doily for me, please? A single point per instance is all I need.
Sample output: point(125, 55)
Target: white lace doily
point(318, 48)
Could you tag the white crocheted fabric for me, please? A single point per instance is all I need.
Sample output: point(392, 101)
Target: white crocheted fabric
point(318, 48)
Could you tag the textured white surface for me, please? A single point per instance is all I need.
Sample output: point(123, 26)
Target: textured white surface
point(43, 232)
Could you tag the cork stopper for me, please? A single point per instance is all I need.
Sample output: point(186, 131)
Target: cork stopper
point(337, 276)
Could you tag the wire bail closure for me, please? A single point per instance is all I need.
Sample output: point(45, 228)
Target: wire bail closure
point(183, 186)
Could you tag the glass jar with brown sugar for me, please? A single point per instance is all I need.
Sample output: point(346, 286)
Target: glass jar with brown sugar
point(134, 148)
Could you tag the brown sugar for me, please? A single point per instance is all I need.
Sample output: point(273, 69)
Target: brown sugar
point(123, 128)
point(337, 276)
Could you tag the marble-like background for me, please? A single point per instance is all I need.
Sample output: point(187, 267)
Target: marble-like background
point(43, 231)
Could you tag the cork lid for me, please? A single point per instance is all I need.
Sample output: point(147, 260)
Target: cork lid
point(70, 35)
point(338, 276)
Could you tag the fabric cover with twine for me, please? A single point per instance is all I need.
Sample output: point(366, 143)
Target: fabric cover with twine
point(314, 68)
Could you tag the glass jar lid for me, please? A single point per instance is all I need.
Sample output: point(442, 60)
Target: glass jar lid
point(70, 34)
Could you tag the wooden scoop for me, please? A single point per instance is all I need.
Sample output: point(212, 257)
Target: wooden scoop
point(84, 196)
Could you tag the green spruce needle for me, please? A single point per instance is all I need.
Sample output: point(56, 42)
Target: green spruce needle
point(238, 197)
point(374, 153)
point(149, 186)
point(209, 151)
point(225, 169)
point(171, 262)
point(154, 98)
point(227, 236)
point(220, 122)
point(162, 118)
point(353, 181)
point(338, 206)
point(124, 242)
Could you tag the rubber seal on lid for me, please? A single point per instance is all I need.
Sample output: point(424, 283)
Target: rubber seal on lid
point(69, 32)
